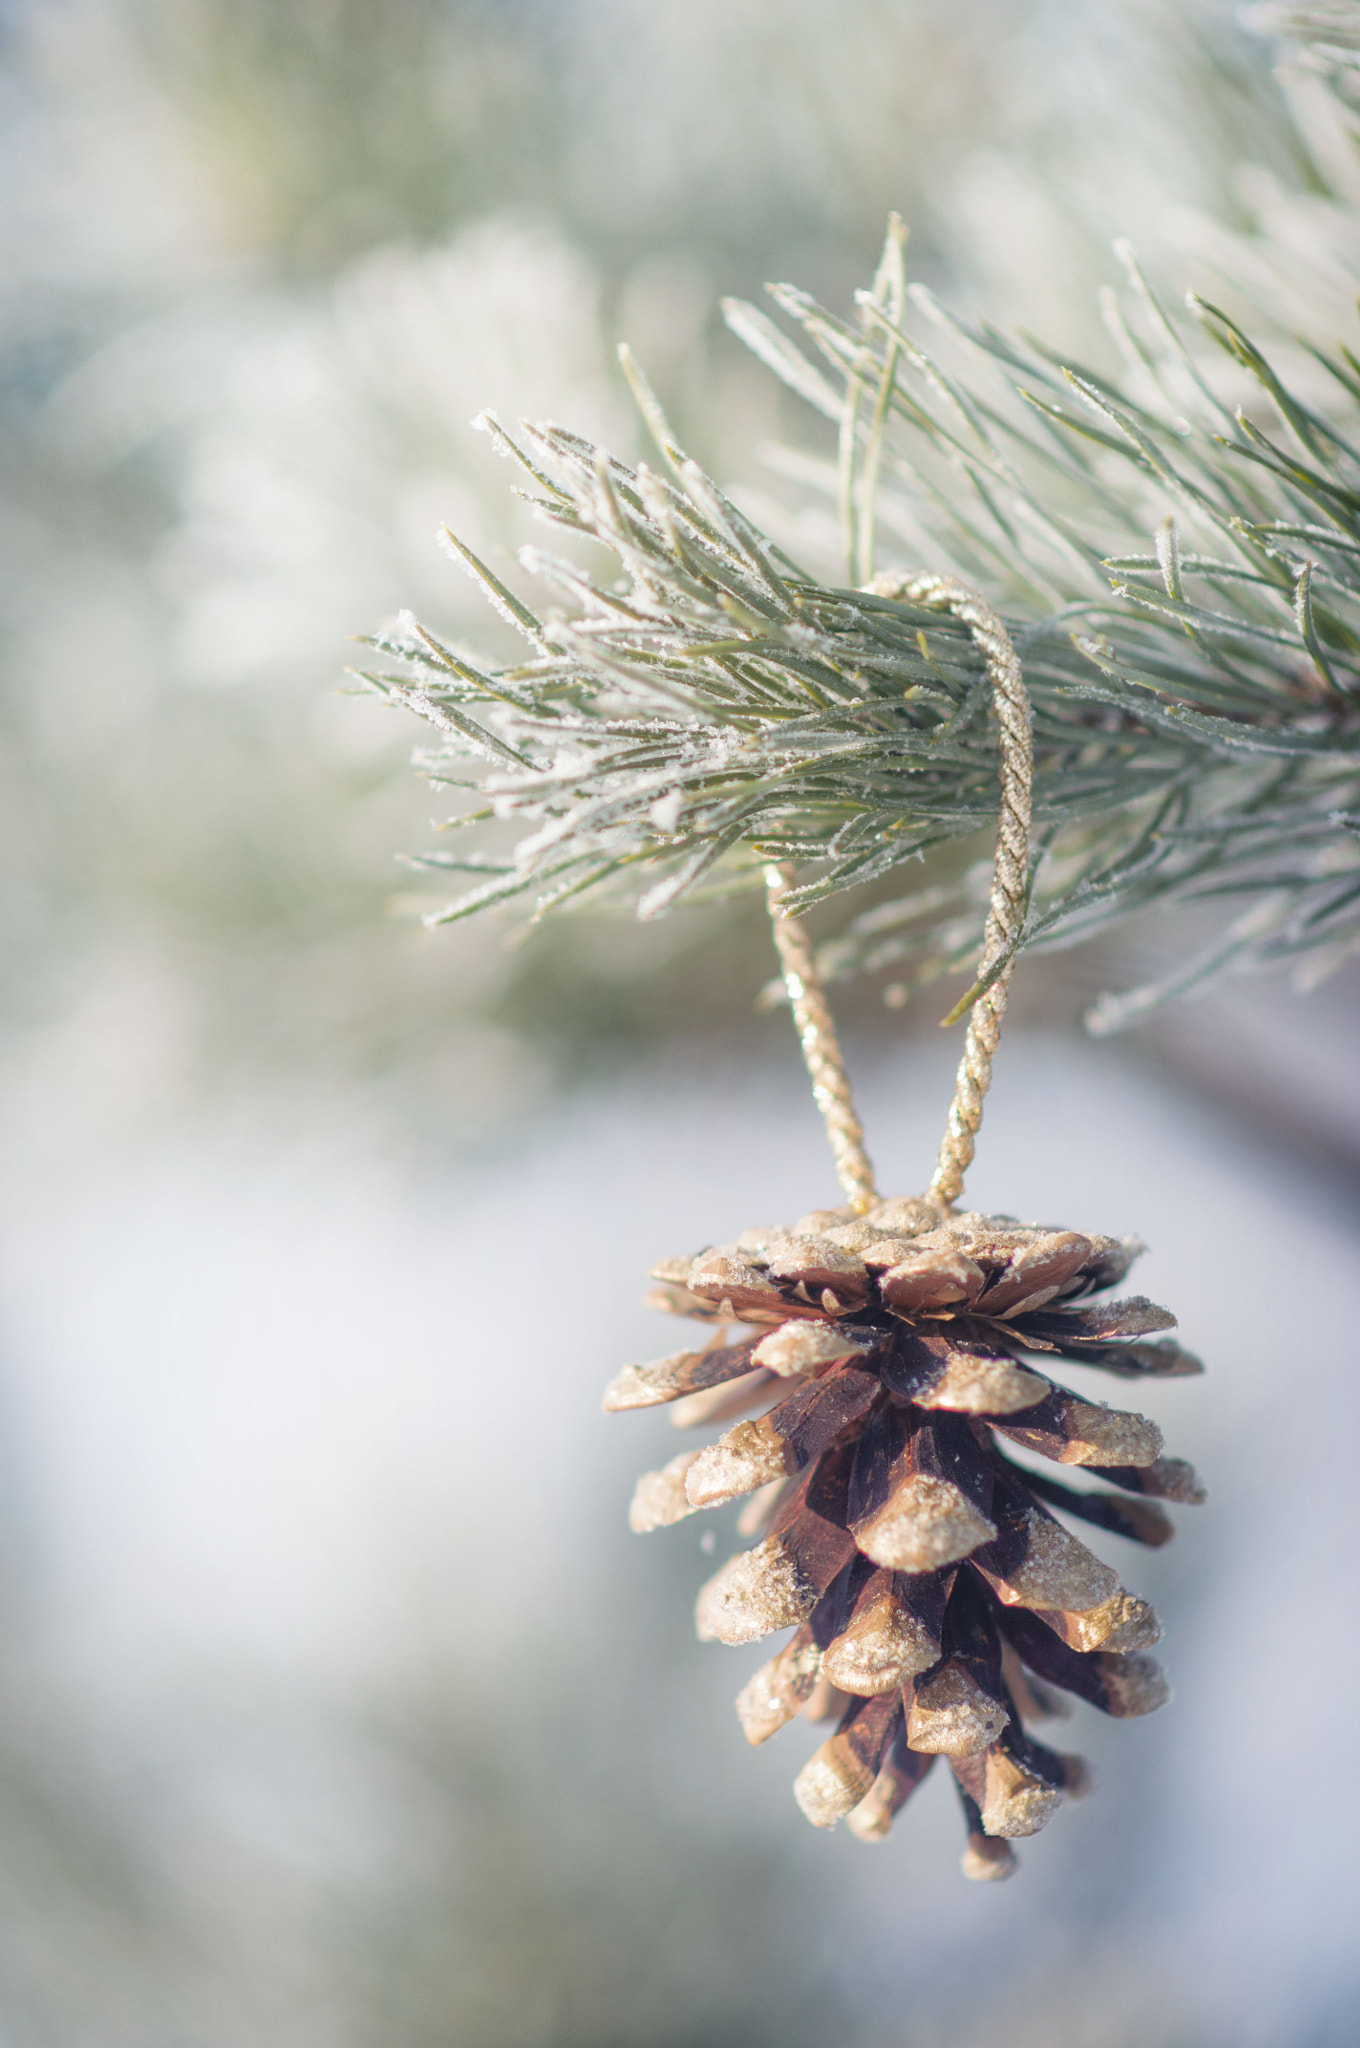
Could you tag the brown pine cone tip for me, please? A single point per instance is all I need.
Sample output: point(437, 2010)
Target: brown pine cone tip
point(935, 1600)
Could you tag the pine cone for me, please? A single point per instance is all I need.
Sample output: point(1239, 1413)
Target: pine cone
point(934, 1597)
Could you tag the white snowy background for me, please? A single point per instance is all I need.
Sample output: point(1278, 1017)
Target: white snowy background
point(337, 1705)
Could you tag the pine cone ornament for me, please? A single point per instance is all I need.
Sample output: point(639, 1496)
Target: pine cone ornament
point(936, 1594)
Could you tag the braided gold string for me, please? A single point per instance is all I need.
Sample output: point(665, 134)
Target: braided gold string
point(1010, 866)
point(1005, 917)
point(821, 1047)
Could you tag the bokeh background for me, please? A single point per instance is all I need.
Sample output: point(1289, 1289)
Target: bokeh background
point(337, 1705)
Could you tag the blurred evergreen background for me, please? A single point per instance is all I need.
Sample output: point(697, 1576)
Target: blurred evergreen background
point(334, 1707)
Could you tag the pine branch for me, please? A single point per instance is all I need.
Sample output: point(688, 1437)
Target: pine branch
point(1177, 553)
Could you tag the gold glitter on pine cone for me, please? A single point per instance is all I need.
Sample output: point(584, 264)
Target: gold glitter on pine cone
point(934, 1597)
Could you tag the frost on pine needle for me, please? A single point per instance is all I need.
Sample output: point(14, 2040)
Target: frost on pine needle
point(1176, 551)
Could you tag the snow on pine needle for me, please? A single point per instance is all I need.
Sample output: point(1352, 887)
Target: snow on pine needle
point(1176, 551)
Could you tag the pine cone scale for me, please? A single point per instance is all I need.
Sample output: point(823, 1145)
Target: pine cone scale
point(898, 1777)
point(888, 1638)
point(968, 1375)
point(778, 1584)
point(1075, 1432)
point(683, 1372)
point(1142, 1521)
point(790, 1437)
point(840, 1774)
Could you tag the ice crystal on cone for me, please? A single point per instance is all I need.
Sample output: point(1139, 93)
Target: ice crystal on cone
point(934, 1595)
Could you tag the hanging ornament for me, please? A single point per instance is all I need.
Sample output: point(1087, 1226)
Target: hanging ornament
point(902, 1349)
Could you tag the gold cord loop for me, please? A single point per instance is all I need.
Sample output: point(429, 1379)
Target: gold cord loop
point(1005, 918)
point(821, 1047)
point(1010, 869)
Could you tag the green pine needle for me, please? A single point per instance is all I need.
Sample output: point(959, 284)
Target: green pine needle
point(1180, 571)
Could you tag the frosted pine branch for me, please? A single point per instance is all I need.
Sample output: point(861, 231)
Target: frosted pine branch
point(1181, 571)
